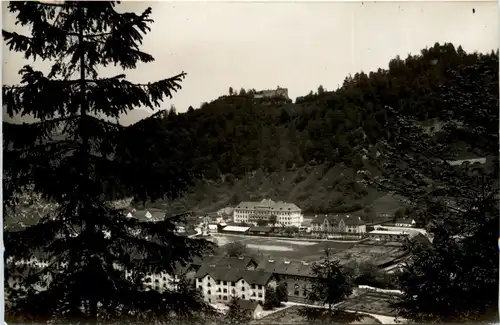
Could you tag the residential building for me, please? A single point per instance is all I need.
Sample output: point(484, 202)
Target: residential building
point(297, 276)
point(405, 222)
point(260, 230)
point(338, 224)
point(254, 308)
point(221, 284)
point(163, 281)
point(180, 229)
point(146, 215)
point(152, 281)
point(214, 218)
point(286, 214)
point(225, 212)
point(212, 229)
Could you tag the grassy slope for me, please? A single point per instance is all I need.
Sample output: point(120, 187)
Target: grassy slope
point(310, 187)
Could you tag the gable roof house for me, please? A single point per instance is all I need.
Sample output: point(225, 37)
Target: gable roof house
point(325, 223)
point(338, 223)
point(352, 224)
point(146, 215)
point(405, 222)
point(254, 308)
point(297, 276)
point(221, 284)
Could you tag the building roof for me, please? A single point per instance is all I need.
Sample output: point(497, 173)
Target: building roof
point(247, 304)
point(284, 267)
point(405, 221)
point(388, 232)
point(268, 205)
point(261, 229)
point(225, 261)
point(236, 228)
point(353, 221)
point(226, 210)
point(319, 219)
point(147, 215)
point(221, 273)
point(349, 220)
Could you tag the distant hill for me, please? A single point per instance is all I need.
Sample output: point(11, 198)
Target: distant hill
point(315, 189)
point(306, 152)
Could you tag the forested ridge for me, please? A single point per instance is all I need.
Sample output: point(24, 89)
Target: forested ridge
point(332, 134)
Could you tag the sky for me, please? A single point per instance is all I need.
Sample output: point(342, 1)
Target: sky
point(296, 45)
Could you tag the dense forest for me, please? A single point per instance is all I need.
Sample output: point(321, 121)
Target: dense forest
point(332, 134)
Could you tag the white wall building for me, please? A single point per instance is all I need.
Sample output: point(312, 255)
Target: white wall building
point(287, 214)
point(159, 282)
point(221, 284)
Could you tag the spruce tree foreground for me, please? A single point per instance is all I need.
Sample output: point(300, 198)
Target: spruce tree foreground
point(76, 159)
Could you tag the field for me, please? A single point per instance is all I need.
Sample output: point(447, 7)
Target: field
point(374, 254)
point(371, 302)
point(283, 248)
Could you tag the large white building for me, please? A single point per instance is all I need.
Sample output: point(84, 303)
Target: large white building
point(287, 214)
point(220, 284)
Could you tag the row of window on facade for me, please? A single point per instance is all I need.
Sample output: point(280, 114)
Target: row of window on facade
point(218, 282)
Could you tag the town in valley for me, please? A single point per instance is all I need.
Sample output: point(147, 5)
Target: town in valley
point(249, 163)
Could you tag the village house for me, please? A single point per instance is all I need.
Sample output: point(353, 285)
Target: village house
point(219, 284)
point(297, 276)
point(225, 213)
point(338, 224)
point(253, 308)
point(163, 281)
point(146, 215)
point(405, 222)
point(244, 263)
point(285, 214)
point(152, 281)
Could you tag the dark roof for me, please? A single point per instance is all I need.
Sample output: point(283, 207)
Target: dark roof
point(283, 267)
point(353, 221)
point(225, 261)
point(349, 219)
point(247, 304)
point(321, 218)
point(229, 274)
point(261, 229)
point(404, 220)
point(141, 214)
point(268, 205)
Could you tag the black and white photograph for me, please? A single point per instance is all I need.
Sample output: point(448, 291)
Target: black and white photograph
point(250, 162)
